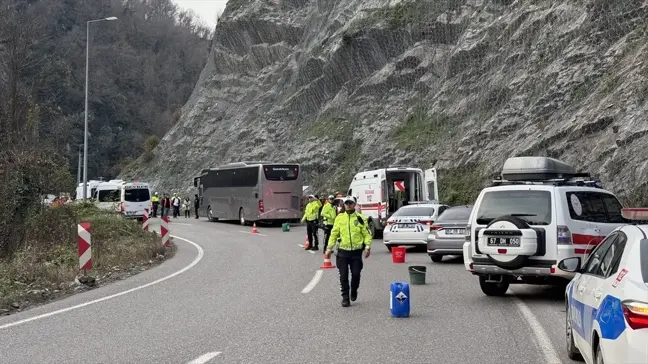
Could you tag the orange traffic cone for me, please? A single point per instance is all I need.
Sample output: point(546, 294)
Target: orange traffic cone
point(254, 228)
point(306, 244)
point(327, 263)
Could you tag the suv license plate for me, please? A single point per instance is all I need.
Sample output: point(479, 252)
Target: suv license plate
point(514, 242)
point(455, 231)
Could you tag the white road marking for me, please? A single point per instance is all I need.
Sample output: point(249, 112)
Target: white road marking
point(548, 352)
point(312, 252)
point(247, 232)
point(200, 255)
point(309, 287)
point(182, 223)
point(205, 358)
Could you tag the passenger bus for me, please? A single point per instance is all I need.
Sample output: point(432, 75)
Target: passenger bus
point(251, 192)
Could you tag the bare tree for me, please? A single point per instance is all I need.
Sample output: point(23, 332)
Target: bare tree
point(20, 29)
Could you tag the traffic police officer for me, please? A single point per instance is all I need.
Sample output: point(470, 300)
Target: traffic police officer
point(328, 215)
point(311, 215)
point(156, 202)
point(355, 239)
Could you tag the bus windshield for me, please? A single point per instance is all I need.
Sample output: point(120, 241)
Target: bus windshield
point(283, 172)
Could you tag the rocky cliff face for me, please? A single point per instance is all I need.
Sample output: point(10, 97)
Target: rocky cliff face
point(344, 85)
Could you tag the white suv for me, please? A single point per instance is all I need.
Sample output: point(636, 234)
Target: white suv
point(537, 213)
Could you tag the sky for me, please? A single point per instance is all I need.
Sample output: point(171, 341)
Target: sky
point(207, 10)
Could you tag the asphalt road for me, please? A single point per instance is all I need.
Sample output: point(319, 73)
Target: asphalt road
point(229, 296)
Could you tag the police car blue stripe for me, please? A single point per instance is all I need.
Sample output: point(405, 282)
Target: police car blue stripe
point(609, 316)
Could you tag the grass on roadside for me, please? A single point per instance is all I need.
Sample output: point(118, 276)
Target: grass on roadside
point(48, 263)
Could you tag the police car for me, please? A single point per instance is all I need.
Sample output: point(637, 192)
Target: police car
point(607, 301)
point(411, 224)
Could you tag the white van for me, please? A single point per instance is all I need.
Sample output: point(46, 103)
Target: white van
point(108, 196)
point(135, 198)
point(92, 189)
point(381, 192)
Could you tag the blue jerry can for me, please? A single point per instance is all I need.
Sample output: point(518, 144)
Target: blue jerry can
point(399, 299)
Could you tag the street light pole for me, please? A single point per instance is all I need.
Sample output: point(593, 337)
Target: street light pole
point(79, 168)
point(85, 129)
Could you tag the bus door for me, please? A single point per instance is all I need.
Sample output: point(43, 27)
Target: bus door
point(198, 184)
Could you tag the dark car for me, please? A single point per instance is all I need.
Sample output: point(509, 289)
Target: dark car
point(447, 235)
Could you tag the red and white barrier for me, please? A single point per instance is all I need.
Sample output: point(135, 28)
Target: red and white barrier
point(164, 229)
point(85, 246)
point(145, 222)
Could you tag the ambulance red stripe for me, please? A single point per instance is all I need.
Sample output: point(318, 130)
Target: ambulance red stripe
point(370, 206)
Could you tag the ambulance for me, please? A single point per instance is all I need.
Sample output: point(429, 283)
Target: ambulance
point(381, 192)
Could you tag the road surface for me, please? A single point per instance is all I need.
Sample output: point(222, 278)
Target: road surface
point(229, 296)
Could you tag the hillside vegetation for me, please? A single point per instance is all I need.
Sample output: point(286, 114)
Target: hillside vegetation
point(142, 69)
point(46, 266)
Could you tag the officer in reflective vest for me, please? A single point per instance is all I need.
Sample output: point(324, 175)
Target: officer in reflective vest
point(355, 240)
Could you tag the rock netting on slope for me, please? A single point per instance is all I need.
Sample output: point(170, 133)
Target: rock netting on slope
point(363, 84)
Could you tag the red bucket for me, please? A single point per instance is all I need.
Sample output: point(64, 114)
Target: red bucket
point(398, 254)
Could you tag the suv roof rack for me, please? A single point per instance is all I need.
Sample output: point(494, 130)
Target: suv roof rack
point(543, 170)
point(635, 215)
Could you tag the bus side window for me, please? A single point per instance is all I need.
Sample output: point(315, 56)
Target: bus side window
point(350, 193)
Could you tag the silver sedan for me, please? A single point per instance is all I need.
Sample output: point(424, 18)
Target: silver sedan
point(447, 235)
point(410, 225)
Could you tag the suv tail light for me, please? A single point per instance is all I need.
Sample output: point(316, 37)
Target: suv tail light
point(564, 236)
point(636, 313)
point(260, 205)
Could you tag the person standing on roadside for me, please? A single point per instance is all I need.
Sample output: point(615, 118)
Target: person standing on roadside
point(328, 215)
point(186, 206)
point(196, 204)
point(355, 240)
point(156, 203)
point(175, 201)
point(311, 215)
point(357, 208)
point(166, 205)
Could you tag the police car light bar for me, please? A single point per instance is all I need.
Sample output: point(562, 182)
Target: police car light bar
point(635, 213)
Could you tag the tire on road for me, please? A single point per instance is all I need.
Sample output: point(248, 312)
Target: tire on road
point(436, 258)
point(372, 228)
point(492, 288)
point(572, 351)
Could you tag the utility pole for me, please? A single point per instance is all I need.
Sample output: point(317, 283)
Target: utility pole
point(85, 130)
point(79, 168)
